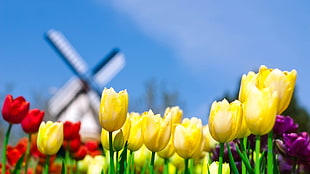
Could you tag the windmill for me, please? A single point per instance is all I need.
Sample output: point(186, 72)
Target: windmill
point(79, 98)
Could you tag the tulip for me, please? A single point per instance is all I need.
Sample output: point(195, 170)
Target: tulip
point(295, 146)
point(244, 131)
point(260, 108)
point(188, 138)
point(135, 139)
point(14, 110)
point(168, 151)
point(125, 132)
point(32, 121)
point(284, 124)
point(225, 119)
point(97, 165)
point(178, 162)
point(50, 137)
point(210, 143)
point(71, 130)
point(155, 131)
point(282, 82)
point(141, 156)
point(80, 153)
point(246, 81)
point(213, 168)
point(176, 114)
point(113, 109)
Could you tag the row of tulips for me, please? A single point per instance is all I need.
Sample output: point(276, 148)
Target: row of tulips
point(151, 143)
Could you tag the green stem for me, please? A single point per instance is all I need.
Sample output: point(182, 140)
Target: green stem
point(270, 153)
point(28, 152)
point(257, 151)
point(186, 171)
point(111, 170)
point(294, 166)
point(244, 142)
point(5, 143)
point(131, 161)
point(47, 161)
point(221, 158)
point(152, 163)
point(166, 169)
point(67, 160)
point(231, 160)
point(191, 165)
point(117, 162)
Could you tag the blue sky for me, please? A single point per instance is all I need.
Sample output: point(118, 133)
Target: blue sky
point(199, 48)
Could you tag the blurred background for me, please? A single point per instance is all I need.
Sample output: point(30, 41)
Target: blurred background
point(177, 53)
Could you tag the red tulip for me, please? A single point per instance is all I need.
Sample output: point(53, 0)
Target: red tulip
point(73, 145)
point(71, 130)
point(80, 153)
point(14, 110)
point(15, 153)
point(32, 121)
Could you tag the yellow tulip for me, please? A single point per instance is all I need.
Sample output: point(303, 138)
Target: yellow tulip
point(260, 109)
point(210, 143)
point(97, 165)
point(176, 114)
point(83, 164)
point(282, 82)
point(244, 131)
point(50, 137)
point(141, 156)
point(156, 131)
point(213, 168)
point(225, 120)
point(168, 151)
point(135, 139)
point(178, 162)
point(246, 81)
point(119, 137)
point(188, 138)
point(113, 109)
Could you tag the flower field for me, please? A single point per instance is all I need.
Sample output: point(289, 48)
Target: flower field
point(248, 135)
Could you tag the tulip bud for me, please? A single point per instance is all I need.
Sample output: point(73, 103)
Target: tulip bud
point(32, 121)
point(113, 109)
point(156, 131)
point(135, 139)
point(213, 168)
point(50, 137)
point(210, 143)
point(260, 108)
point(188, 138)
point(71, 130)
point(225, 119)
point(118, 142)
point(14, 110)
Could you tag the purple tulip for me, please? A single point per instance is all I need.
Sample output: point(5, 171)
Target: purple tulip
point(284, 124)
point(295, 145)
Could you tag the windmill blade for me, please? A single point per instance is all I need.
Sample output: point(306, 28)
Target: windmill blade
point(64, 96)
point(67, 52)
point(109, 69)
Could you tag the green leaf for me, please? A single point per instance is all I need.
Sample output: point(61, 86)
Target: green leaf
point(123, 161)
point(63, 167)
point(231, 160)
point(245, 159)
